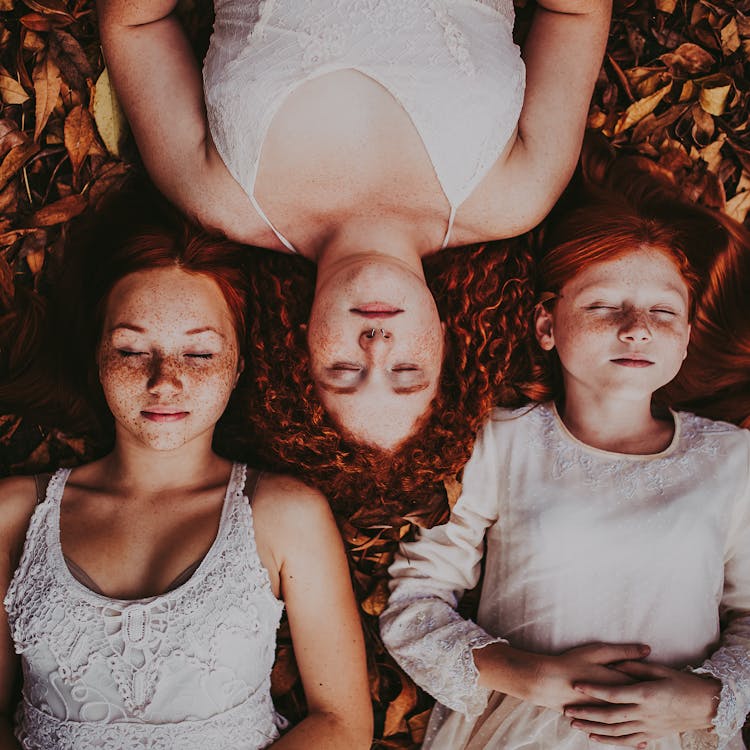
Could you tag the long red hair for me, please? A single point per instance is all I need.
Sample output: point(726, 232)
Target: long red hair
point(49, 370)
point(617, 204)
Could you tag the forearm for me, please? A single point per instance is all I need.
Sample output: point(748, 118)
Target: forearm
point(508, 670)
point(328, 732)
point(159, 85)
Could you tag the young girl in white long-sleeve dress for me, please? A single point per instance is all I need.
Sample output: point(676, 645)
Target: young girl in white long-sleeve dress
point(615, 538)
point(142, 591)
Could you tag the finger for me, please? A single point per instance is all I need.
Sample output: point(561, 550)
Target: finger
point(627, 729)
point(605, 653)
point(640, 669)
point(638, 740)
point(610, 693)
point(605, 713)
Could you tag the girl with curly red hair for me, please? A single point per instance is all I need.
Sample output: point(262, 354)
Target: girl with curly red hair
point(615, 604)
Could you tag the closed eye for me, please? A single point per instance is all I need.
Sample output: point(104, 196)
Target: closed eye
point(128, 353)
point(663, 310)
point(206, 355)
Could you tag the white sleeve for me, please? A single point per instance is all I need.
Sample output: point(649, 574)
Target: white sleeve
point(730, 663)
point(420, 626)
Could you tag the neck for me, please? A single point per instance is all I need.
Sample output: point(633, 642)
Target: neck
point(356, 239)
point(617, 425)
point(145, 470)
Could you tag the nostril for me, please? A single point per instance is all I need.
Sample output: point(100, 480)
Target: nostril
point(370, 334)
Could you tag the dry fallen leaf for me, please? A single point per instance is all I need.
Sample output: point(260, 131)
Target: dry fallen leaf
point(15, 159)
point(59, 211)
point(638, 110)
point(714, 92)
point(79, 136)
point(108, 115)
point(46, 89)
point(11, 90)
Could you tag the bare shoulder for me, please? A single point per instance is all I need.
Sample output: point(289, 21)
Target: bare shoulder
point(288, 500)
point(18, 498)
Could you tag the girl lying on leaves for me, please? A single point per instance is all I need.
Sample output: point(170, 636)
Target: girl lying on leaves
point(615, 533)
point(143, 590)
point(365, 136)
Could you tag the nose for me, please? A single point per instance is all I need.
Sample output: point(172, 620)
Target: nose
point(164, 377)
point(374, 340)
point(635, 327)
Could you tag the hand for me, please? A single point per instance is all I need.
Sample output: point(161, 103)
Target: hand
point(548, 680)
point(594, 663)
point(659, 702)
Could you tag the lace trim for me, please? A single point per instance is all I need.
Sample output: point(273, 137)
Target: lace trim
point(132, 640)
point(236, 729)
point(730, 665)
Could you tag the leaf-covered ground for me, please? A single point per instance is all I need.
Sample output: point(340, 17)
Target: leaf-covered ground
point(674, 86)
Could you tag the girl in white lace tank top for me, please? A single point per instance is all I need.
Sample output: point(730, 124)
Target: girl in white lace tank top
point(142, 592)
point(363, 135)
point(615, 605)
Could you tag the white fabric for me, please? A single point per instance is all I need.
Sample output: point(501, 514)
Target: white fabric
point(187, 670)
point(582, 545)
point(451, 64)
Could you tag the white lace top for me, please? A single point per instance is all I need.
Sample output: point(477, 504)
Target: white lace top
point(451, 64)
point(582, 545)
point(187, 670)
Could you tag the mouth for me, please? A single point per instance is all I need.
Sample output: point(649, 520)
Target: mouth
point(632, 362)
point(376, 310)
point(164, 416)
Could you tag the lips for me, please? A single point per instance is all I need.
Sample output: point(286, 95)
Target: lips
point(164, 416)
point(376, 310)
point(632, 362)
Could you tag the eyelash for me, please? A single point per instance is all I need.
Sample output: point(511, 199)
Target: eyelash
point(126, 353)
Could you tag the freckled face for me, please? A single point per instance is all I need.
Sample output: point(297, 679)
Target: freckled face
point(168, 357)
point(620, 327)
point(376, 349)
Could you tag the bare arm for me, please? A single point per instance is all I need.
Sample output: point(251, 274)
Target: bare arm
point(563, 55)
point(158, 81)
point(297, 531)
point(17, 499)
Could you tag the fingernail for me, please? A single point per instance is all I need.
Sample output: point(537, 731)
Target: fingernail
point(645, 650)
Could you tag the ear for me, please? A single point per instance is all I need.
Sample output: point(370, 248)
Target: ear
point(543, 328)
point(684, 356)
point(240, 370)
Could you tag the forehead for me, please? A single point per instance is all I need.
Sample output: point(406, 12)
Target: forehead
point(167, 297)
point(642, 269)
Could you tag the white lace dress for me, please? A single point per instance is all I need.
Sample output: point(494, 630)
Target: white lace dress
point(582, 545)
point(187, 670)
point(451, 64)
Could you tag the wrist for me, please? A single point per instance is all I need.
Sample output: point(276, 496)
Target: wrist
point(707, 700)
point(509, 670)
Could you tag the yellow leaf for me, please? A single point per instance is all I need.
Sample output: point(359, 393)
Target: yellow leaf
point(714, 91)
point(666, 6)
point(638, 110)
point(730, 37)
point(711, 154)
point(108, 115)
point(739, 206)
point(11, 90)
point(79, 135)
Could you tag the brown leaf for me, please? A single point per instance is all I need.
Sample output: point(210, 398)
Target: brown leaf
point(711, 154)
point(47, 83)
point(15, 159)
point(688, 59)
point(55, 8)
point(284, 674)
point(730, 37)
point(6, 5)
point(33, 42)
point(11, 90)
point(376, 602)
point(32, 250)
point(666, 6)
point(10, 136)
point(60, 211)
point(418, 725)
point(638, 110)
point(70, 58)
point(79, 135)
point(452, 490)
point(38, 22)
point(395, 716)
point(714, 91)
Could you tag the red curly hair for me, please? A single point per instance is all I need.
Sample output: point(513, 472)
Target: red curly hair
point(485, 297)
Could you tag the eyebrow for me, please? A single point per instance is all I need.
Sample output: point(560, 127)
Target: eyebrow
point(191, 332)
point(400, 391)
point(607, 288)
